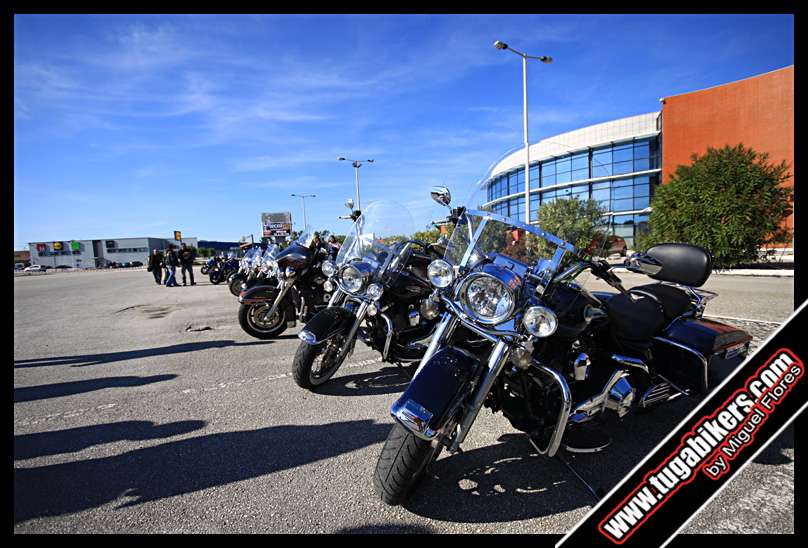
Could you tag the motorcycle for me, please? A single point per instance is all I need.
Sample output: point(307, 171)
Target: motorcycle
point(208, 265)
point(379, 284)
point(291, 289)
point(222, 269)
point(520, 334)
point(249, 267)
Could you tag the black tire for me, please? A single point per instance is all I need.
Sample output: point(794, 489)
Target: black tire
point(401, 465)
point(247, 321)
point(235, 285)
point(215, 277)
point(204, 270)
point(307, 354)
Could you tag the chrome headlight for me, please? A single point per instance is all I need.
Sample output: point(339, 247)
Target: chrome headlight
point(440, 273)
point(540, 321)
point(374, 291)
point(352, 279)
point(487, 298)
point(329, 268)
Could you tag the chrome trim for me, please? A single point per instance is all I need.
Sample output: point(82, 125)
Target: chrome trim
point(628, 361)
point(415, 418)
point(389, 336)
point(563, 414)
point(338, 293)
point(496, 361)
point(350, 339)
point(444, 330)
point(696, 353)
point(596, 404)
point(283, 287)
point(307, 337)
point(463, 295)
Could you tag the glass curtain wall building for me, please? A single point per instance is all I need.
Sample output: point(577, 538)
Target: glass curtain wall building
point(616, 164)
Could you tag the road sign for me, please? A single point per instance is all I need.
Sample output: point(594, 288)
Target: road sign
point(177, 235)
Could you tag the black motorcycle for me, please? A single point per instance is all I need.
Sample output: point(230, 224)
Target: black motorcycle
point(382, 285)
point(289, 288)
point(520, 335)
point(222, 268)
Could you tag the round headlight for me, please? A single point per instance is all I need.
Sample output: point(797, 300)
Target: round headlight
point(488, 299)
point(328, 286)
point(329, 268)
point(440, 273)
point(374, 291)
point(352, 279)
point(540, 321)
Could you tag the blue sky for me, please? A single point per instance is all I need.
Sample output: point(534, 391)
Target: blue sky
point(140, 125)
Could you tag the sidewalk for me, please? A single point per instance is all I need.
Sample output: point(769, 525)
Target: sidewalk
point(778, 273)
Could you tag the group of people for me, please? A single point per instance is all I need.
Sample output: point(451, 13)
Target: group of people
point(163, 266)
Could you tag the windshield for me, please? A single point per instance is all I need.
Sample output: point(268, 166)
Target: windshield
point(371, 239)
point(249, 256)
point(270, 252)
point(306, 236)
point(493, 225)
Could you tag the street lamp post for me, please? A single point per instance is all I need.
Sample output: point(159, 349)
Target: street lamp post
point(356, 164)
point(544, 59)
point(303, 197)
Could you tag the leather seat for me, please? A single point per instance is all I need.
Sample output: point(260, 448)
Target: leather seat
point(674, 301)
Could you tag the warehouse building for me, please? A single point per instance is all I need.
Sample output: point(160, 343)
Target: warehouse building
point(99, 253)
point(619, 163)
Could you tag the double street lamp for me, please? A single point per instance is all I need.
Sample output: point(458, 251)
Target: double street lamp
point(303, 197)
point(356, 164)
point(544, 59)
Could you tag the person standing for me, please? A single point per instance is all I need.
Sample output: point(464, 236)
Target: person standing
point(172, 261)
point(333, 247)
point(187, 257)
point(156, 266)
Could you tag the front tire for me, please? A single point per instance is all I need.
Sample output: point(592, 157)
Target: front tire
point(253, 325)
point(235, 285)
point(401, 465)
point(215, 277)
point(204, 270)
point(314, 364)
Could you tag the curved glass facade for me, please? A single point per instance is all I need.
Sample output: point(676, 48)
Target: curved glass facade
point(620, 176)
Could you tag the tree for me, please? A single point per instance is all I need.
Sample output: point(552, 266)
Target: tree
point(730, 201)
point(576, 221)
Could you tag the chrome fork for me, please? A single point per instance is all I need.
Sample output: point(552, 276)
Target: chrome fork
point(496, 361)
point(284, 287)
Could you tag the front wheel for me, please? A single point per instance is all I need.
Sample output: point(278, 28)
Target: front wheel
point(314, 364)
point(402, 464)
point(215, 277)
point(235, 285)
point(204, 270)
point(251, 318)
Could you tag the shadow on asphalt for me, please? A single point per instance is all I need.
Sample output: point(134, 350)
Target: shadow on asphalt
point(95, 359)
point(45, 391)
point(387, 380)
point(385, 529)
point(773, 454)
point(183, 466)
point(71, 440)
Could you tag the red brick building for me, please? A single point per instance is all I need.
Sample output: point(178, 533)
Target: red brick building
point(756, 111)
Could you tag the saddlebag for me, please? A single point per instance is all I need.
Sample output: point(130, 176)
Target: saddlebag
point(696, 353)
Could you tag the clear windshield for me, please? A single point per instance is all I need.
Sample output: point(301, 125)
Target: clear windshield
point(270, 253)
point(249, 257)
point(306, 237)
point(371, 239)
point(493, 225)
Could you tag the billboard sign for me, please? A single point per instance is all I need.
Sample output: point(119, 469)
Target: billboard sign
point(75, 246)
point(276, 224)
point(57, 246)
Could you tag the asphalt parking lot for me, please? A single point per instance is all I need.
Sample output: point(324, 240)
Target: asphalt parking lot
point(139, 408)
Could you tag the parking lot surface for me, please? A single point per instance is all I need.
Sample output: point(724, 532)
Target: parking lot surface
point(140, 408)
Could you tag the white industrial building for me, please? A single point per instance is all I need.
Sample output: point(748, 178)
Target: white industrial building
point(98, 253)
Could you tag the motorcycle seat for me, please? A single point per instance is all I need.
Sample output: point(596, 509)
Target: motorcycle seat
point(673, 301)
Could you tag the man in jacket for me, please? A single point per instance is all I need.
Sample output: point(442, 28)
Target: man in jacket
point(156, 266)
point(187, 257)
point(172, 262)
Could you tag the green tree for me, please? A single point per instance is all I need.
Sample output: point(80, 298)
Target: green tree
point(579, 222)
point(730, 201)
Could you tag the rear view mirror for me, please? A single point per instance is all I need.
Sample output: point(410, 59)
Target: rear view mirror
point(441, 195)
point(349, 203)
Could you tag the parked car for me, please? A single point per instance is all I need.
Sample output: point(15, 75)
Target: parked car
point(136, 263)
point(63, 267)
point(125, 265)
point(33, 268)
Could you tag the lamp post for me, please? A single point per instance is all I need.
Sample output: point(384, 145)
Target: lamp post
point(356, 164)
point(544, 59)
point(303, 197)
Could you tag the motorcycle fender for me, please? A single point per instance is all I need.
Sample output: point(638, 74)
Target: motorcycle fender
point(433, 395)
point(258, 294)
point(327, 323)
